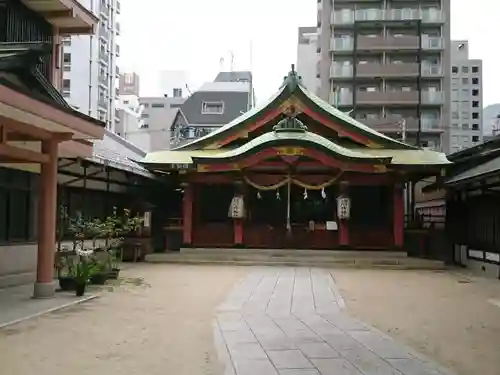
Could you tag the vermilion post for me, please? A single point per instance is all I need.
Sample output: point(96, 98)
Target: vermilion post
point(47, 218)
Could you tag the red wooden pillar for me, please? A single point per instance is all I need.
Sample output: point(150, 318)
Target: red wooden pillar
point(398, 215)
point(47, 217)
point(238, 232)
point(187, 214)
point(344, 223)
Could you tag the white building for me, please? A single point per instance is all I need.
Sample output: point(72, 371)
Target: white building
point(307, 57)
point(130, 124)
point(466, 98)
point(174, 83)
point(90, 79)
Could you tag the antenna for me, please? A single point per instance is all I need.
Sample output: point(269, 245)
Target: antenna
point(187, 88)
point(221, 64)
point(231, 67)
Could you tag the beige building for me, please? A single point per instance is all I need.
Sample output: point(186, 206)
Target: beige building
point(388, 63)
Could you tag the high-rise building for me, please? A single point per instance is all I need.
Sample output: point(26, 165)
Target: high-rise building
point(90, 78)
point(491, 121)
point(387, 64)
point(466, 98)
point(129, 84)
point(307, 57)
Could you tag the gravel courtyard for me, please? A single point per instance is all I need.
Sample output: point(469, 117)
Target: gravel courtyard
point(164, 324)
point(452, 318)
point(164, 328)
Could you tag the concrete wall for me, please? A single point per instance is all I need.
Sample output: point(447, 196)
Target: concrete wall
point(18, 263)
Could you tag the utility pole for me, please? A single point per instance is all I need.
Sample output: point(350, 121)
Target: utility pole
point(403, 130)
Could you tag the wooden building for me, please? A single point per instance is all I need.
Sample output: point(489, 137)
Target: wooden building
point(292, 173)
point(471, 190)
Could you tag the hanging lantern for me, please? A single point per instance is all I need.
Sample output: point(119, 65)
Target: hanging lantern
point(323, 193)
point(237, 207)
point(343, 207)
point(305, 193)
point(278, 194)
point(258, 195)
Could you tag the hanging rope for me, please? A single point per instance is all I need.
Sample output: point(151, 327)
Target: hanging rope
point(286, 180)
point(317, 187)
point(264, 187)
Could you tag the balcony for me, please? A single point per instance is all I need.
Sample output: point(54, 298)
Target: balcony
point(347, 17)
point(69, 17)
point(103, 56)
point(432, 70)
point(344, 71)
point(103, 80)
point(117, 50)
point(343, 98)
point(118, 29)
point(341, 44)
point(387, 43)
point(103, 103)
point(387, 70)
point(387, 97)
point(103, 32)
point(432, 97)
point(394, 124)
point(104, 9)
point(189, 133)
point(432, 43)
point(118, 7)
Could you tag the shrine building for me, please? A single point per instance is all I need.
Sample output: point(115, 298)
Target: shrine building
point(294, 173)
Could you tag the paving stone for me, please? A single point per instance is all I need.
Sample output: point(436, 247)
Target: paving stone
point(335, 366)
point(303, 335)
point(345, 323)
point(381, 345)
point(288, 359)
point(237, 337)
point(277, 343)
point(342, 342)
point(247, 351)
point(309, 371)
point(237, 325)
point(254, 367)
point(414, 367)
point(318, 350)
point(369, 363)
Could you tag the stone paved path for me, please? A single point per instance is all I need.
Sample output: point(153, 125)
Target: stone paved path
point(291, 321)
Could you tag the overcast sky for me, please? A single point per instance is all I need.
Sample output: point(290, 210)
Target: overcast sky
point(193, 35)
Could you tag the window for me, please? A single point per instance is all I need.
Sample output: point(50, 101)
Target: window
point(465, 115)
point(465, 69)
point(177, 93)
point(175, 105)
point(475, 92)
point(475, 81)
point(475, 104)
point(465, 81)
point(475, 69)
point(144, 115)
point(17, 205)
point(475, 126)
point(454, 115)
point(465, 126)
point(475, 138)
point(157, 105)
point(454, 69)
point(67, 58)
point(475, 115)
point(66, 84)
point(145, 105)
point(214, 108)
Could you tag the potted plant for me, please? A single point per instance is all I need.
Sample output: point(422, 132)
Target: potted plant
point(84, 268)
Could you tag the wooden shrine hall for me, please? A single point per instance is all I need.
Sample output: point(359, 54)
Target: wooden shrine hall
point(292, 173)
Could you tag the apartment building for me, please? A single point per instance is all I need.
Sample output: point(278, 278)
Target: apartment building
point(307, 57)
point(466, 98)
point(174, 83)
point(387, 64)
point(90, 78)
point(129, 84)
point(157, 116)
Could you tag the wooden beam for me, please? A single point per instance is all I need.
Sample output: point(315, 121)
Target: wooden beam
point(20, 154)
point(19, 127)
point(55, 14)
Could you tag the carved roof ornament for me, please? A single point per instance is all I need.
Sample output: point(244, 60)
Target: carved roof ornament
point(290, 123)
point(292, 80)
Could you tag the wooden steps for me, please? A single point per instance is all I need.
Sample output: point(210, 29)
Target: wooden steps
point(296, 258)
